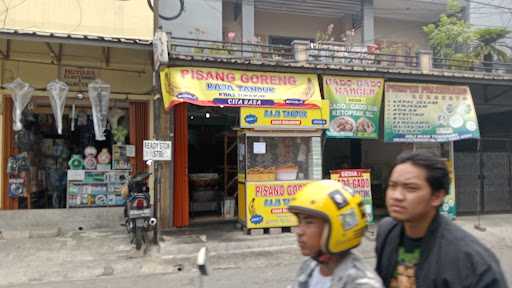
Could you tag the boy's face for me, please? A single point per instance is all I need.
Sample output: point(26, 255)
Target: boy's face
point(309, 234)
point(409, 197)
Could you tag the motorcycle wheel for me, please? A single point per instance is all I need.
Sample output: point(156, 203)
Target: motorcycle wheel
point(138, 237)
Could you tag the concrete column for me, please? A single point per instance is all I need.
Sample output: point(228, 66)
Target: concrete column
point(300, 51)
point(368, 17)
point(424, 60)
point(247, 20)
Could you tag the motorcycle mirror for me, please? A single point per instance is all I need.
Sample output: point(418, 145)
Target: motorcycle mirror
point(201, 261)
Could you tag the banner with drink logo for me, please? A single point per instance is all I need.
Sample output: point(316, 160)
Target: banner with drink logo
point(285, 118)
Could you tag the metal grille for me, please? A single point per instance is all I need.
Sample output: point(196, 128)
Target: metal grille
point(484, 175)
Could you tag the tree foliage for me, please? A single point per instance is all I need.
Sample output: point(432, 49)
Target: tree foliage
point(458, 42)
point(486, 46)
point(448, 36)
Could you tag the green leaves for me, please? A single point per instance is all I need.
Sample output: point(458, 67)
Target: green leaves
point(448, 35)
point(461, 44)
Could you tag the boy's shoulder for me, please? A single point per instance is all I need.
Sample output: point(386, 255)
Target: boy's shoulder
point(352, 272)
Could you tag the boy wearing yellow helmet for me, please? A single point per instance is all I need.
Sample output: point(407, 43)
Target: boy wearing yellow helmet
point(331, 224)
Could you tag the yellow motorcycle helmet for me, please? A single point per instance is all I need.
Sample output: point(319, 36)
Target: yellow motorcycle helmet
point(339, 207)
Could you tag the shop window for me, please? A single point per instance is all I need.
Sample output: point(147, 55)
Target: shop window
point(278, 158)
point(71, 169)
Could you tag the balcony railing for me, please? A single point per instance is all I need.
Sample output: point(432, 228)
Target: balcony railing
point(327, 53)
point(469, 65)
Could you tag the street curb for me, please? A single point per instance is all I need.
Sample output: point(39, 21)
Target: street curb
point(30, 234)
point(46, 233)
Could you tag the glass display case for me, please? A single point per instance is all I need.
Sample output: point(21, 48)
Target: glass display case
point(95, 188)
point(272, 167)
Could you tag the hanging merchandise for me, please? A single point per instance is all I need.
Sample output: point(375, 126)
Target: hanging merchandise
point(57, 91)
point(90, 162)
point(73, 117)
point(104, 157)
point(76, 162)
point(18, 163)
point(79, 96)
point(24, 140)
point(99, 95)
point(114, 115)
point(104, 160)
point(119, 134)
point(21, 96)
point(16, 187)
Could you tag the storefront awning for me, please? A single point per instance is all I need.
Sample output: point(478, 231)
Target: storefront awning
point(222, 87)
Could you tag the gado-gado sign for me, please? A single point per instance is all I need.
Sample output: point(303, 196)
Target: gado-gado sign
point(355, 106)
point(360, 181)
point(221, 87)
point(283, 118)
point(429, 113)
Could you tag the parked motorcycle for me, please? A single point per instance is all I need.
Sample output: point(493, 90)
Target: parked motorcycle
point(138, 211)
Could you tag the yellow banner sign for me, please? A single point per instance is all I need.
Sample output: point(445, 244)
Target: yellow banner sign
point(222, 87)
point(267, 203)
point(360, 182)
point(285, 117)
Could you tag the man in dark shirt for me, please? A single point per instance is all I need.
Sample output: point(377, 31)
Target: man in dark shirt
point(418, 247)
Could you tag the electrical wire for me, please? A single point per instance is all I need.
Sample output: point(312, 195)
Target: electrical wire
point(489, 5)
point(168, 18)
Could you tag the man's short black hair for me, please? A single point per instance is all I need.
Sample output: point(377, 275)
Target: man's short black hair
point(438, 177)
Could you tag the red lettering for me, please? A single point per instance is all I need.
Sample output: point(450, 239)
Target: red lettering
point(293, 189)
point(269, 191)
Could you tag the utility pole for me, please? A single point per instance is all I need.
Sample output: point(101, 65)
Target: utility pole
point(157, 115)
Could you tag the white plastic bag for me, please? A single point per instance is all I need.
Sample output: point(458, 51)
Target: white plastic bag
point(57, 91)
point(99, 95)
point(21, 96)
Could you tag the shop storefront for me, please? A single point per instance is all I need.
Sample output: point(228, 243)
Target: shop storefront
point(71, 142)
point(416, 117)
point(69, 151)
point(279, 151)
point(256, 138)
point(246, 133)
point(354, 152)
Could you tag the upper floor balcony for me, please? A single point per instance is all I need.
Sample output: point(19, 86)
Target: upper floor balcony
point(360, 35)
point(279, 22)
point(332, 55)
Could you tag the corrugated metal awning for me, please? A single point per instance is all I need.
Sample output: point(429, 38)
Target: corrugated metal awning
point(77, 39)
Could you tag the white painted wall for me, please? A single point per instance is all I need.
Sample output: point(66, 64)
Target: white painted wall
point(205, 15)
point(401, 31)
point(278, 24)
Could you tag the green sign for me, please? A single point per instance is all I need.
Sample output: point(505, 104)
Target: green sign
point(354, 106)
point(428, 113)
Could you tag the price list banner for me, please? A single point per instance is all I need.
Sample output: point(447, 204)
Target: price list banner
point(428, 113)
